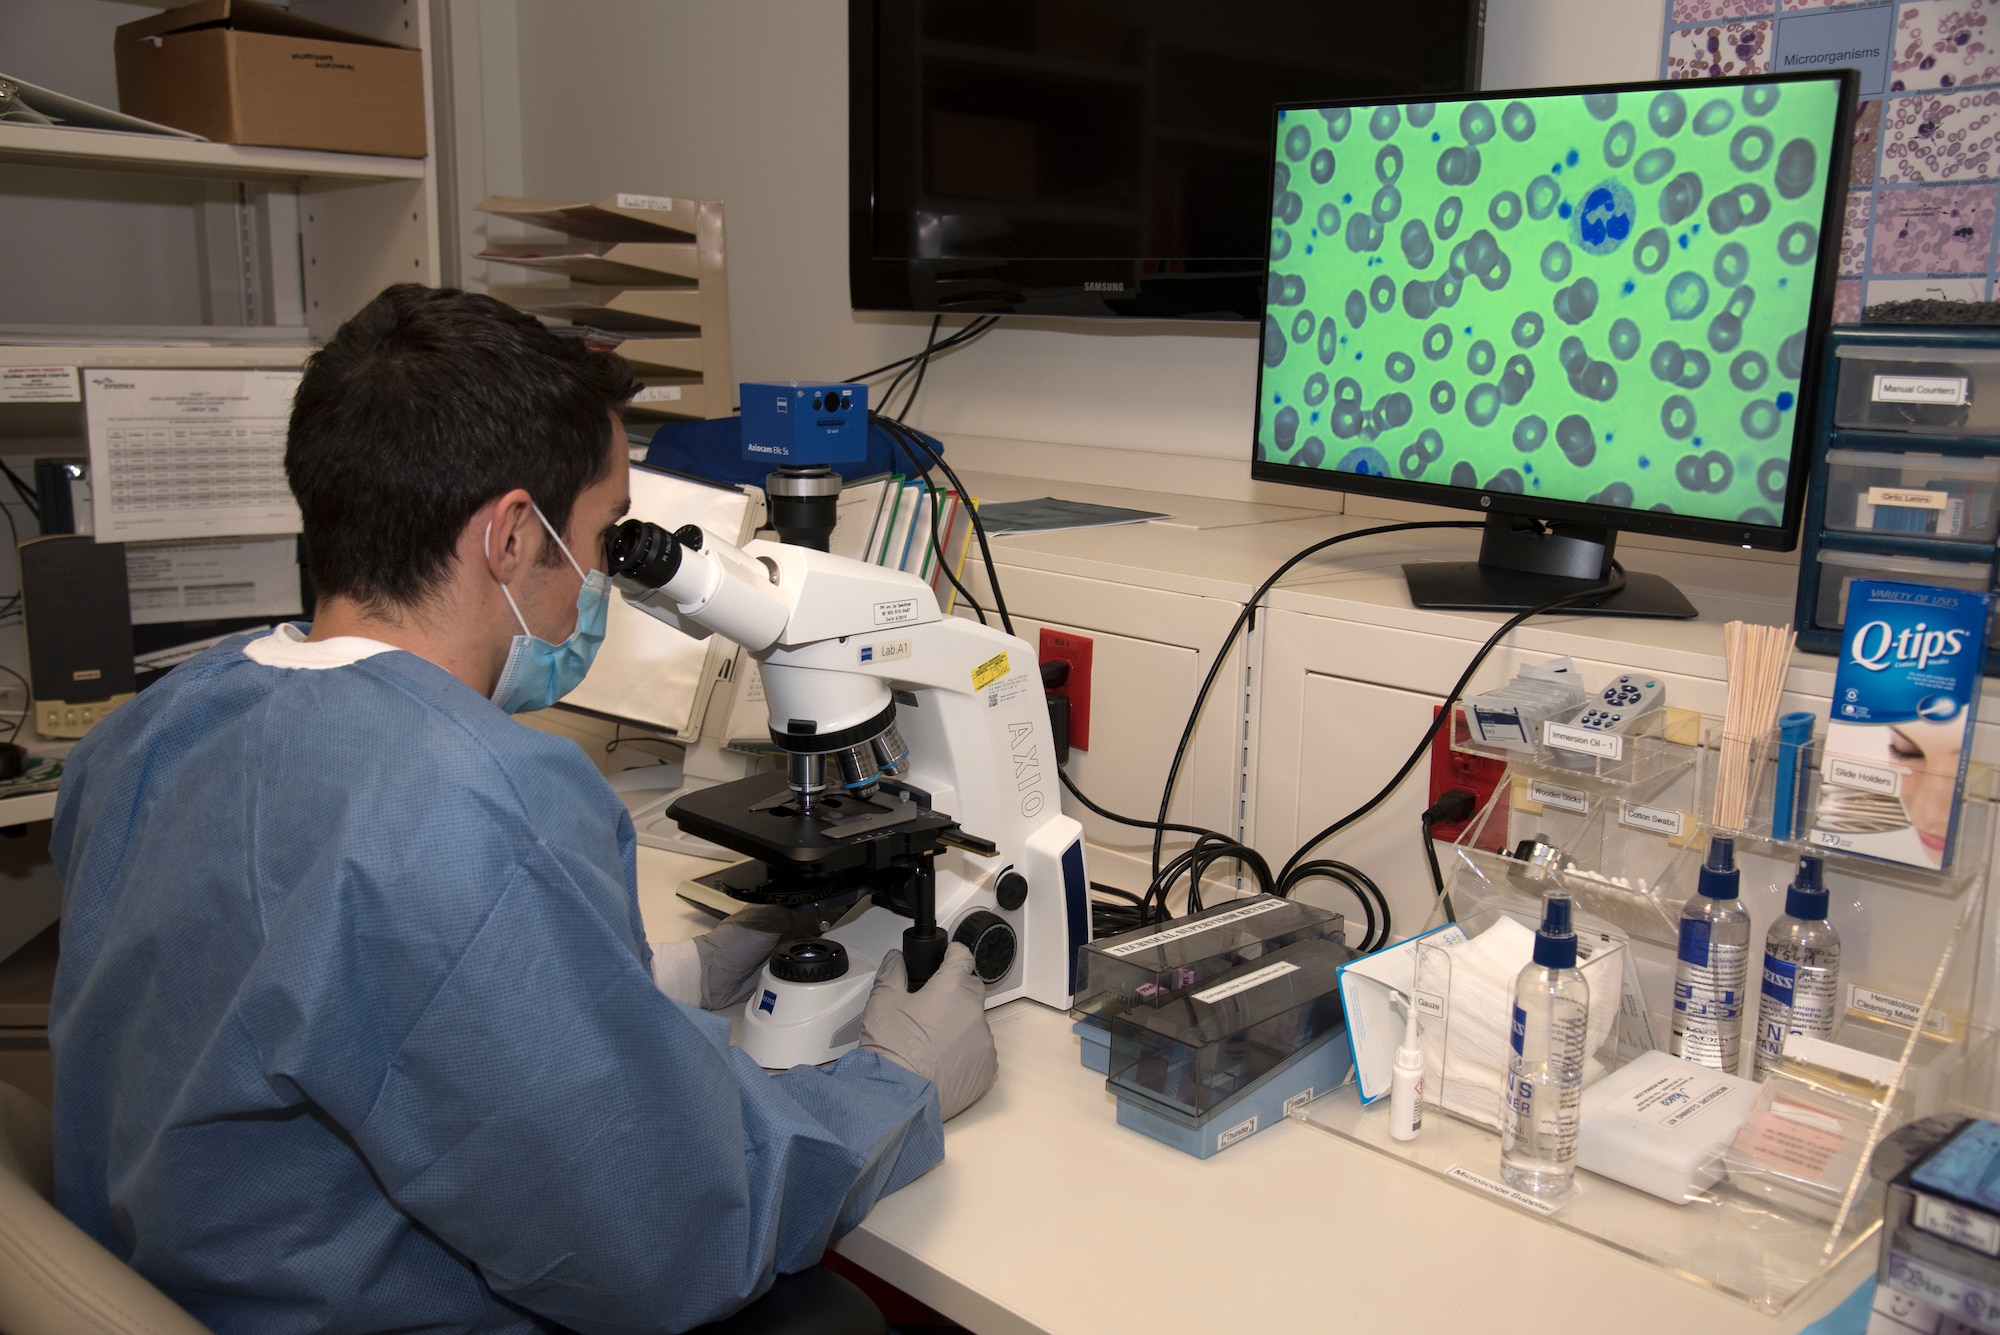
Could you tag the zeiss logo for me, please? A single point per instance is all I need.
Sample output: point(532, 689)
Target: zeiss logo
point(1877, 647)
point(867, 653)
point(768, 1003)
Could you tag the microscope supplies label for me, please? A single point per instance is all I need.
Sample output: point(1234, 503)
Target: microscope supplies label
point(1197, 927)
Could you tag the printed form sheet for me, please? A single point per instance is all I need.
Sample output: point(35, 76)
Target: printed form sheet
point(189, 454)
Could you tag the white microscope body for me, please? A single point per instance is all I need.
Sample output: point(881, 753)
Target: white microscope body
point(856, 659)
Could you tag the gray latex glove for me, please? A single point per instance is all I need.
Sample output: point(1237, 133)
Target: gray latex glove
point(940, 1032)
point(734, 952)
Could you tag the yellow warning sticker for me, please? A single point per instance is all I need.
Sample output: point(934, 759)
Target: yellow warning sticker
point(992, 670)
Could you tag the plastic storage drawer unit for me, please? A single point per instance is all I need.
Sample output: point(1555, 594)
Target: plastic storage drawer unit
point(1943, 389)
point(1929, 495)
point(1905, 481)
point(1838, 569)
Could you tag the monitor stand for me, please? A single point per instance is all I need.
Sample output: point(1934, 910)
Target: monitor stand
point(1525, 562)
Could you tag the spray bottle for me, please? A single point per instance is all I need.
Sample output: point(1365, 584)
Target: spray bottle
point(1801, 991)
point(1713, 965)
point(1542, 1107)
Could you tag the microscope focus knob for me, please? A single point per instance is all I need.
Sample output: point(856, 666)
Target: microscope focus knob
point(991, 941)
point(1011, 890)
point(814, 961)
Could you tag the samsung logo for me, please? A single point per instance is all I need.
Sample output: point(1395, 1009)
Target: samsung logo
point(1103, 287)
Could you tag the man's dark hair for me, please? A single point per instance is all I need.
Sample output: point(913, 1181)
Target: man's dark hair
point(425, 406)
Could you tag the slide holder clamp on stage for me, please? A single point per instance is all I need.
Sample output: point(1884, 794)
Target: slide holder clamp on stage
point(955, 834)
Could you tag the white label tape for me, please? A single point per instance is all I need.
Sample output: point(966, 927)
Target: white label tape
point(1945, 389)
point(1506, 1193)
point(1188, 929)
point(1659, 820)
point(1563, 799)
point(1270, 973)
point(1844, 773)
point(1583, 741)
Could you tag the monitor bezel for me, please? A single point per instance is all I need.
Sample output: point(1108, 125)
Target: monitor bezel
point(1782, 537)
point(1214, 290)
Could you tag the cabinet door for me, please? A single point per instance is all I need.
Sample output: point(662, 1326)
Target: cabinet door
point(1352, 735)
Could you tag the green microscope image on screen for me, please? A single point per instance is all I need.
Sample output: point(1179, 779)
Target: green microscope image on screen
point(1589, 297)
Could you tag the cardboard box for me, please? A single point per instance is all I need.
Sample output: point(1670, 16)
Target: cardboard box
point(239, 72)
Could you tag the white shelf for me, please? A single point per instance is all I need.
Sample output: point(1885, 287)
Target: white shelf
point(227, 357)
point(41, 145)
point(27, 809)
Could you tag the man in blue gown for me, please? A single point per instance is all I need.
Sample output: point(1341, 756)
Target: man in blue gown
point(356, 1027)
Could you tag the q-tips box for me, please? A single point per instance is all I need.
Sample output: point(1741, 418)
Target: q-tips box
point(1904, 698)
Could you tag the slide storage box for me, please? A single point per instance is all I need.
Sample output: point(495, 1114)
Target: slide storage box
point(239, 72)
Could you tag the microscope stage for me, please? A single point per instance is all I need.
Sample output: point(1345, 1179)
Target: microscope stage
point(758, 817)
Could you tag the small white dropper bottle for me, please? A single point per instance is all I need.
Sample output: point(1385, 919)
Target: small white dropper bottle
point(1406, 1084)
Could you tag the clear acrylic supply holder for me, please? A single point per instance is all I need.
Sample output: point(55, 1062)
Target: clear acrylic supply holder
point(1633, 834)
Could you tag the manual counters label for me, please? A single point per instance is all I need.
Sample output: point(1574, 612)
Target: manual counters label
point(1946, 389)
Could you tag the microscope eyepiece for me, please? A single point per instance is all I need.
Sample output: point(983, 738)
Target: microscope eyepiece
point(644, 553)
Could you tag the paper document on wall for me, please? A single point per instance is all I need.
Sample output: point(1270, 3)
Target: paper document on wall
point(210, 579)
point(189, 454)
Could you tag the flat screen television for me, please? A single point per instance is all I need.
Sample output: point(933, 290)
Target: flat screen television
point(1576, 311)
point(1100, 158)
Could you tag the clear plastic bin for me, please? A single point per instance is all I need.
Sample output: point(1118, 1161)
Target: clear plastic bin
point(1927, 495)
point(1898, 389)
point(1219, 1039)
point(1838, 570)
point(1149, 965)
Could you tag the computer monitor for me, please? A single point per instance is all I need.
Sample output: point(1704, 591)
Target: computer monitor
point(1575, 311)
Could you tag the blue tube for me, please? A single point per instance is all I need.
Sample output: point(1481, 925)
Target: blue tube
point(1794, 731)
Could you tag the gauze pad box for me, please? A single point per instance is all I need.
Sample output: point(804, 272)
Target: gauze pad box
point(1905, 694)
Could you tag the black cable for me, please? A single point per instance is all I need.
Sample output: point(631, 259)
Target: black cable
point(923, 364)
point(1133, 821)
point(28, 495)
point(978, 524)
point(950, 341)
point(1376, 931)
point(910, 439)
point(27, 701)
point(1612, 585)
point(1437, 872)
point(618, 739)
point(1244, 617)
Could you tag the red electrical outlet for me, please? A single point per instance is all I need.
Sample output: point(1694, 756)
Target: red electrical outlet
point(1480, 775)
point(1074, 650)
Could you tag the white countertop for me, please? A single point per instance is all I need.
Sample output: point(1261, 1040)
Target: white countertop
point(1048, 1217)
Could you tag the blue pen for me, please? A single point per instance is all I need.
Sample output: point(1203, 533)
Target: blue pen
point(1794, 731)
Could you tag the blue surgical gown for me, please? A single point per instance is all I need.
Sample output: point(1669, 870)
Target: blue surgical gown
point(354, 1029)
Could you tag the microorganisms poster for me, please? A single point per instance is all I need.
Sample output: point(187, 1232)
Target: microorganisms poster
point(1926, 163)
point(1600, 298)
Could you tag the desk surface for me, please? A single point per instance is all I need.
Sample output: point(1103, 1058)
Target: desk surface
point(1047, 1218)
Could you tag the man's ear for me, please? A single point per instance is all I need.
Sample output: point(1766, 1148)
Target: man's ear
point(502, 528)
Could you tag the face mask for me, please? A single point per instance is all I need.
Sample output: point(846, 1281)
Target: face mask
point(537, 673)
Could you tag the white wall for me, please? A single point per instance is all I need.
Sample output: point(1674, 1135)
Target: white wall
point(746, 100)
point(107, 248)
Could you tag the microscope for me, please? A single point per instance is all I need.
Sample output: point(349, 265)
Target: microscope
point(919, 804)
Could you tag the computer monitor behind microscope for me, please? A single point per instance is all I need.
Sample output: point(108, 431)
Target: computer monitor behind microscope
point(1574, 311)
